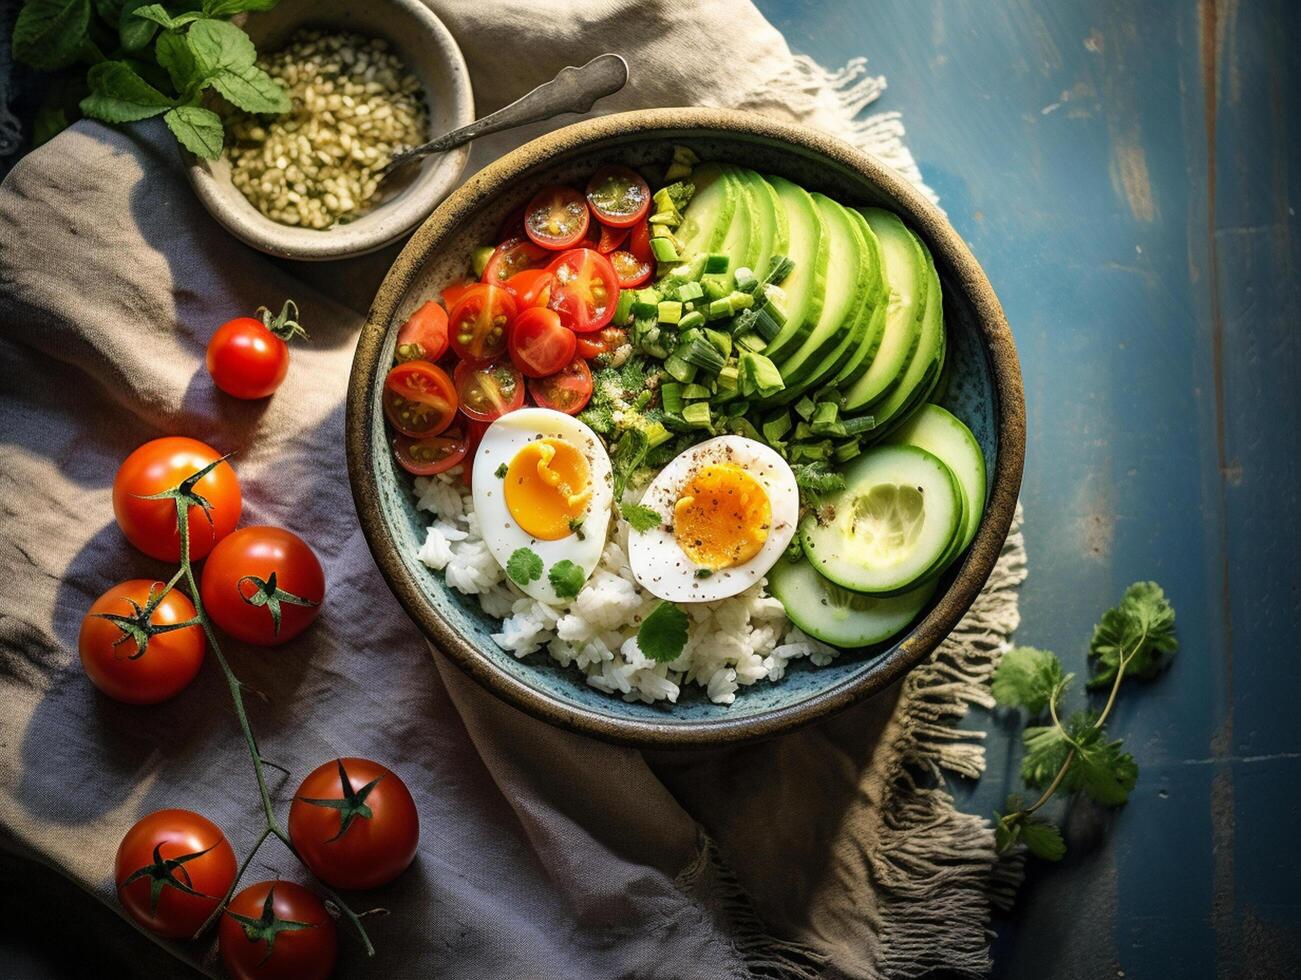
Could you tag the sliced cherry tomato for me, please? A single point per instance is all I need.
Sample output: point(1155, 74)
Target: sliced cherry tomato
point(424, 336)
point(283, 932)
point(477, 324)
point(127, 670)
point(639, 242)
point(263, 585)
point(618, 196)
point(512, 256)
point(419, 399)
point(512, 225)
point(489, 391)
point(609, 340)
point(586, 289)
point(532, 287)
point(425, 457)
point(611, 238)
point(557, 217)
point(453, 293)
point(539, 345)
point(632, 271)
point(565, 391)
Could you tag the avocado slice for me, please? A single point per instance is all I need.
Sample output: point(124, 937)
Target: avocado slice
point(708, 217)
point(874, 310)
point(805, 287)
point(740, 244)
point(770, 233)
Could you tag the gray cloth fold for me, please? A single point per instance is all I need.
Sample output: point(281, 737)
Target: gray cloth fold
point(542, 854)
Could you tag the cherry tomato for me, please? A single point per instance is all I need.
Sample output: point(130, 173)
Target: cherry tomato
point(532, 287)
point(639, 242)
point(513, 256)
point(489, 391)
point(424, 336)
point(539, 345)
point(162, 464)
point(611, 238)
point(419, 399)
point(425, 457)
point(116, 663)
point(246, 360)
point(478, 324)
point(453, 293)
point(187, 858)
point(557, 217)
point(277, 930)
point(263, 585)
point(618, 196)
point(586, 289)
point(632, 271)
point(568, 390)
point(354, 823)
point(609, 340)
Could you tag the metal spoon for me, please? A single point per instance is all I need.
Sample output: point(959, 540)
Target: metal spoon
point(572, 90)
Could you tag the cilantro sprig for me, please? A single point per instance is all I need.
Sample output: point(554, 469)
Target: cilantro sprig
point(1136, 638)
point(641, 519)
point(524, 566)
point(123, 62)
point(566, 578)
point(663, 634)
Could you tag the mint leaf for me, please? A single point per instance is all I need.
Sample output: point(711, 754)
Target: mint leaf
point(174, 54)
point(251, 89)
point(48, 34)
point(135, 32)
point(1139, 629)
point(198, 130)
point(1100, 769)
point(1027, 678)
point(642, 519)
point(157, 13)
point(663, 633)
point(118, 94)
point(228, 8)
point(1043, 839)
point(524, 566)
point(566, 578)
point(217, 44)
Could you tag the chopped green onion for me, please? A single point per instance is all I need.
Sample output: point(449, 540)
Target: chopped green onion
point(691, 320)
point(671, 396)
point(716, 263)
point(623, 311)
point(804, 408)
point(695, 392)
point(697, 415)
point(668, 312)
point(859, 424)
point(679, 369)
point(777, 426)
point(759, 376)
point(664, 249)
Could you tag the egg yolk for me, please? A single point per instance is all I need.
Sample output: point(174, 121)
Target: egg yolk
point(547, 488)
point(721, 517)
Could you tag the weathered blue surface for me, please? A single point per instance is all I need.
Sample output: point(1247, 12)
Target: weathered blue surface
point(1127, 173)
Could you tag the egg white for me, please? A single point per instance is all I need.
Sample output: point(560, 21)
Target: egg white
point(502, 534)
point(661, 566)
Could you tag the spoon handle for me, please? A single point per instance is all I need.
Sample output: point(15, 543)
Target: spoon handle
point(572, 90)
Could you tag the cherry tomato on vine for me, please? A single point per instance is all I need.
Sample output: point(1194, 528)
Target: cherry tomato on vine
point(354, 823)
point(489, 391)
point(248, 357)
point(263, 585)
point(532, 287)
point(453, 293)
point(630, 270)
point(513, 256)
point(586, 289)
point(618, 196)
point(611, 238)
point(433, 454)
point(161, 465)
point(424, 336)
point(557, 217)
point(277, 930)
point(419, 399)
point(183, 857)
point(639, 242)
point(607, 341)
point(568, 390)
point(147, 667)
point(477, 324)
point(538, 344)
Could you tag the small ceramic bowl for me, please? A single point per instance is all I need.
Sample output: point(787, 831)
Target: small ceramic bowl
point(429, 50)
point(984, 389)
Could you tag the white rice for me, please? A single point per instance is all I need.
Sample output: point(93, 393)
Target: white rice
point(732, 643)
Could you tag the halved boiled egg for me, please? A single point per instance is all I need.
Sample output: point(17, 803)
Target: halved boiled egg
point(542, 481)
point(729, 507)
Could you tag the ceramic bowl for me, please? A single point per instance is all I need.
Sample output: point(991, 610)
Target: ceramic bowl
point(984, 390)
point(429, 50)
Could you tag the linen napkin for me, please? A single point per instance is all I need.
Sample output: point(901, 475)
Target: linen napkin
point(834, 851)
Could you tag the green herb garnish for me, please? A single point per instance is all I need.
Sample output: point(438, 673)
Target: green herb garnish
point(524, 566)
point(663, 633)
point(566, 578)
point(642, 519)
point(501, 471)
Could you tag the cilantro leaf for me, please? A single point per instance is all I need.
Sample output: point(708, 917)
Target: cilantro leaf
point(566, 578)
point(501, 471)
point(817, 478)
point(118, 94)
point(1046, 749)
point(198, 129)
point(663, 633)
point(524, 566)
point(628, 455)
point(1028, 678)
point(1100, 769)
point(49, 34)
point(641, 518)
point(1139, 630)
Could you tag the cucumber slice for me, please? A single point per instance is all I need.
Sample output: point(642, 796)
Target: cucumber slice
point(944, 436)
point(905, 274)
point(892, 524)
point(805, 288)
point(708, 216)
point(838, 616)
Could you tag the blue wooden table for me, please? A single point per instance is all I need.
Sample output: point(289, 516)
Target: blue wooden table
point(1129, 174)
